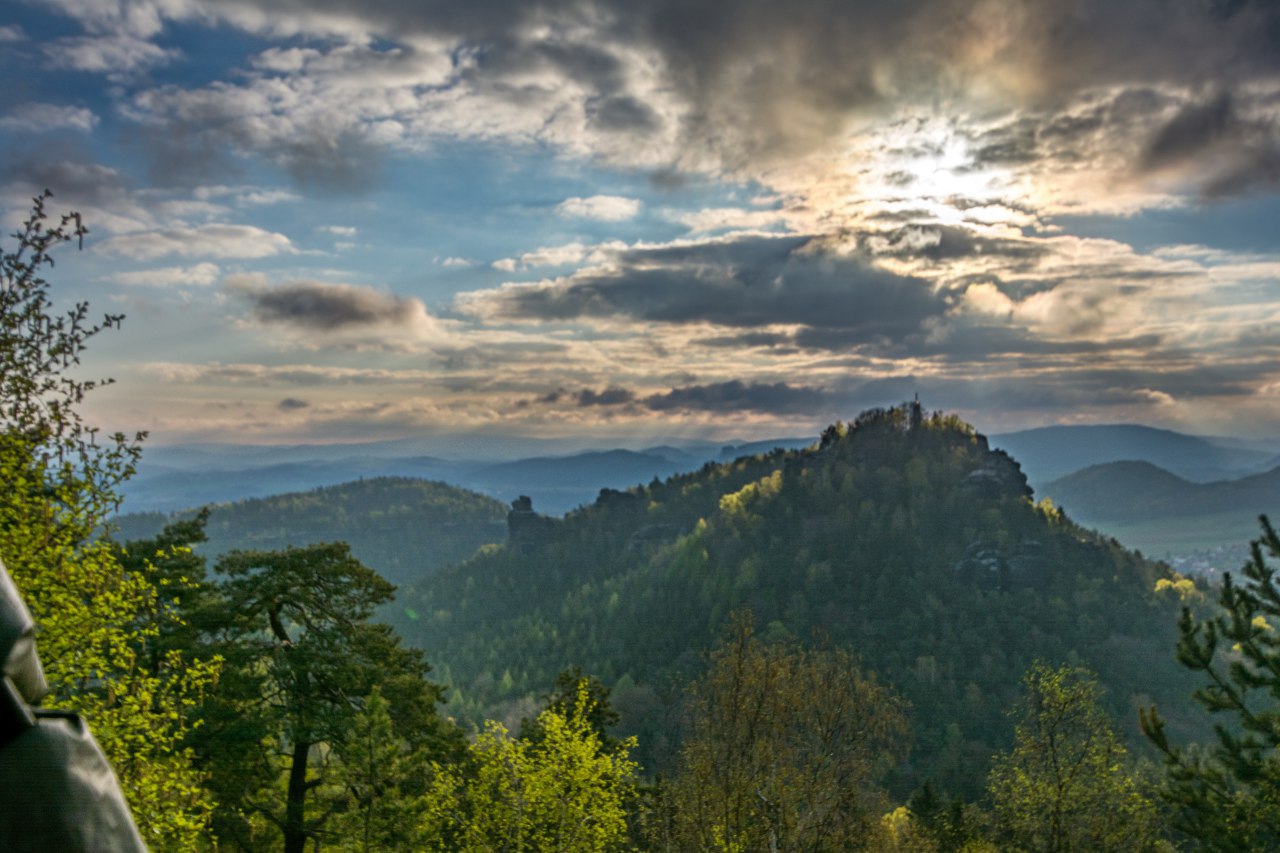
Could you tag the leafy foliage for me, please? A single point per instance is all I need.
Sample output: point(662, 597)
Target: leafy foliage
point(1064, 785)
point(565, 791)
point(98, 620)
point(1227, 796)
point(784, 750)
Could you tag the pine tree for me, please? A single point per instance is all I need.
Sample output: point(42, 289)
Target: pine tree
point(1227, 795)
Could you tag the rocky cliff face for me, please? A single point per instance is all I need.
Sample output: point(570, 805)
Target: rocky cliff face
point(998, 476)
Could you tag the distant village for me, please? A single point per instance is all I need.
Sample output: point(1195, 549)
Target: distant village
point(1209, 563)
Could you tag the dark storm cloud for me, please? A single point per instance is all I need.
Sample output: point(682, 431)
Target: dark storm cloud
point(1227, 151)
point(611, 396)
point(324, 307)
point(290, 404)
point(751, 339)
point(1192, 131)
point(777, 398)
point(746, 282)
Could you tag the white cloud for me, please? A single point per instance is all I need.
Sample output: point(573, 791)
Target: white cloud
point(214, 240)
point(264, 197)
point(987, 299)
point(456, 262)
point(606, 208)
point(38, 118)
point(556, 256)
point(108, 54)
point(340, 230)
point(201, 275)
point(12, 34)
point(721, 218)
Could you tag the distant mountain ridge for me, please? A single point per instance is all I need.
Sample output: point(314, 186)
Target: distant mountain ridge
point(176, 478)
point(1128, 492)
point(562, 474)
point(1050, 453)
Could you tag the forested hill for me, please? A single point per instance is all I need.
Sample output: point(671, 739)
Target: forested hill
point(1139, 491)
point(403, 528)
point(914, 545)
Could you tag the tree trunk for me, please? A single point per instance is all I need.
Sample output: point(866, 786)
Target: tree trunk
point(295, 828)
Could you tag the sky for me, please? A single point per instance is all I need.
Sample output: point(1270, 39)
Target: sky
point(633, 220)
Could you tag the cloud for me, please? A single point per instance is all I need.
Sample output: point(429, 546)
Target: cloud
point(320, 313)
point(255, 198)
point(606, 208)
point(752, 281)
point(214, 240)
point(547, 256)
point(41, 118)
point(12, 34)
point(292, 404)
point(113, 54)
point(946, 243)
point(1195, 128)
point(778, 398)
point(290, 375)
point(722, 218)
point(200, 275)
point(340, 230)
point(698, 86)
point(1217, 148)
point(612, 396)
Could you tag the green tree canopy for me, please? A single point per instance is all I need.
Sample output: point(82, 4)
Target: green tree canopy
point(564, 791)
point(1064, 786)
point(303, 660)
point(98, 620)
point(784, 750)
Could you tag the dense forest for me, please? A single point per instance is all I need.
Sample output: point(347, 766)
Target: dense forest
point(403, 528)
point(879, 642)
point(901, 538)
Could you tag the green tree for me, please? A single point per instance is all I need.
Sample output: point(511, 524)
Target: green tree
point(1227, 796)
point(302, 661)
point(784, 751)
point(572, 686)
point(382, 776)
point(61, 482)
point(564, 791)
point(1064, 786)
